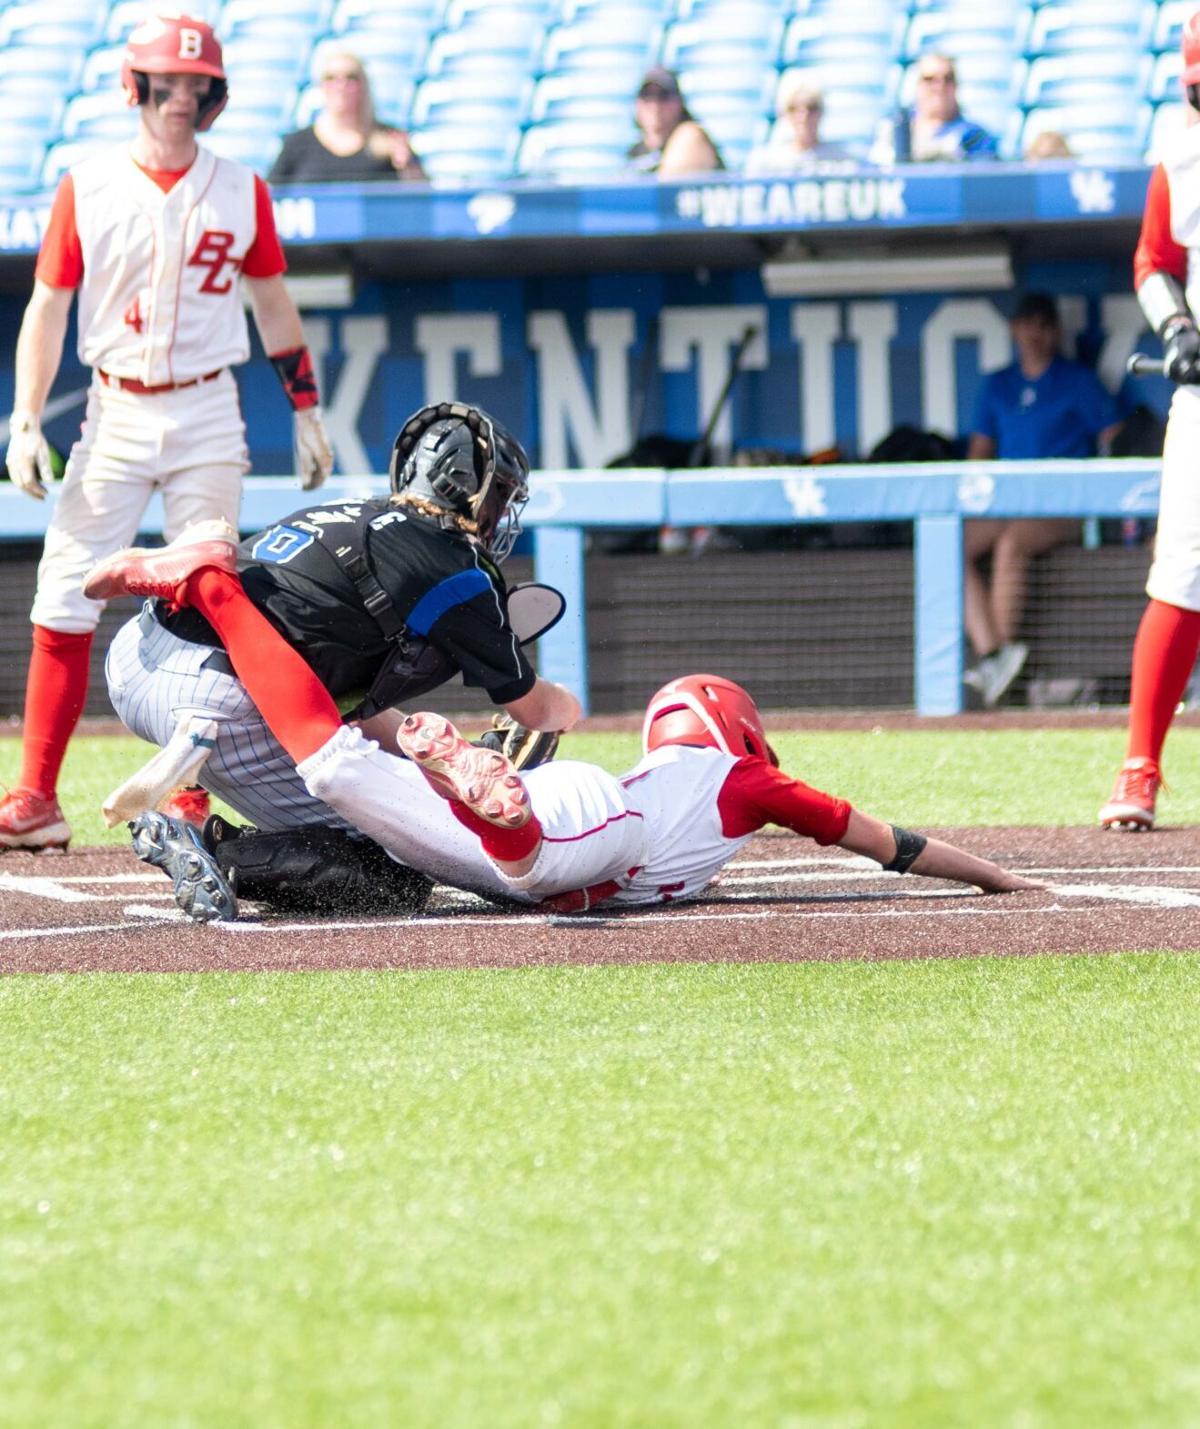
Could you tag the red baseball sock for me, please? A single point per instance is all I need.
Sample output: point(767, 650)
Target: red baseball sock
point(297, 707)
point(504, 845)
point(1164, 653)
point(55, 694)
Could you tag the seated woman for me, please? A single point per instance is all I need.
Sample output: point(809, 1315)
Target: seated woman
point(345, 143)
point(672, 143)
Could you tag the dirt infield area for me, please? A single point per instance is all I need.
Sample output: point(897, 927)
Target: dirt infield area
point(781, 900)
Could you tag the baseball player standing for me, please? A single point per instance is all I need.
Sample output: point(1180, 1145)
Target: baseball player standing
point(1166, 270)
point(155, 237)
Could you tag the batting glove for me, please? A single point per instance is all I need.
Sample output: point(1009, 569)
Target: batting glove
point(1181, 351)
point(28, 455)
point(310, 445)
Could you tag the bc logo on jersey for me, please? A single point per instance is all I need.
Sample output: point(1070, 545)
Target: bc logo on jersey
point(281, 544)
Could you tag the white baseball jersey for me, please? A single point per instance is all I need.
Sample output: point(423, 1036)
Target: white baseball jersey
point(1170, 242)
point(161, 300)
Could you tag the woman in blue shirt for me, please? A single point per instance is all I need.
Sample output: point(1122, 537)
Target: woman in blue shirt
point(1042, 405)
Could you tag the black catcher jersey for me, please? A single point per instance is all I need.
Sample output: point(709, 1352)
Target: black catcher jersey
point(438, 581)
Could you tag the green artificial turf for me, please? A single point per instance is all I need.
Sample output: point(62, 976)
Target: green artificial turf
point(910, 1194)
point(933, 776)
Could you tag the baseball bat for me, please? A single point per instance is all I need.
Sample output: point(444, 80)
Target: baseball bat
point(1141, 364)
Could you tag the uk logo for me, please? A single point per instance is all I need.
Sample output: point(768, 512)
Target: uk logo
point(1093, 191)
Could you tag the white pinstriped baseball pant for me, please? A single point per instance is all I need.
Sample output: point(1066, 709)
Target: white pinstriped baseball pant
point(155, 679)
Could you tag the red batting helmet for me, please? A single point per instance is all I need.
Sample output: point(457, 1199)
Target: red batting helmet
point(706, 710)
point(175, 44)
point(1191, 50)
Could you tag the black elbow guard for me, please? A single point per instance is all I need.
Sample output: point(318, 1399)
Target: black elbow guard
point(908, 849)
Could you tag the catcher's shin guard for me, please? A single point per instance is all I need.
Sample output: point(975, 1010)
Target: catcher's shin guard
point(315, 870)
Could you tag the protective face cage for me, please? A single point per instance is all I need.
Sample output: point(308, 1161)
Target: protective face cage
point(495, 506)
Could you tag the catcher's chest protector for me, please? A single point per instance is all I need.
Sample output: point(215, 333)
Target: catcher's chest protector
point(327, 544)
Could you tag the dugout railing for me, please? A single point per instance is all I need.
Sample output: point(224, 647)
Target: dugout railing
point(936, 498)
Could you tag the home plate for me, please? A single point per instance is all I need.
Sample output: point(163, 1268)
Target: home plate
point(1146, 896)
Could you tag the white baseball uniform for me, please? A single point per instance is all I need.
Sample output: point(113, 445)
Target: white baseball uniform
point(660, 833)
point(156, 258)
point(1170, 243)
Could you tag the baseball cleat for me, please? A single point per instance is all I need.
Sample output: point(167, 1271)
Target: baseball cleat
point(202, 890)
point(33, 822)
point(482, 779)
point(163, 572)
point(1131, 807)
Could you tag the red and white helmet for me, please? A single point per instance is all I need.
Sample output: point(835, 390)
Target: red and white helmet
point(1191, 50)
point(175, 44)
point(706, 710)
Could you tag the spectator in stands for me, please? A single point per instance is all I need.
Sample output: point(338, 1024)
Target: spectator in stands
point(1042, 405)
point(796, 143)
point(935, 130)
point(671, 142)
point(346, 142)
point(1049, 144)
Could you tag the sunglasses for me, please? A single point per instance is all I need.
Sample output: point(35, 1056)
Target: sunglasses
point(652, 91)
point(938, 78)
point(354, 78)
point(808, 108)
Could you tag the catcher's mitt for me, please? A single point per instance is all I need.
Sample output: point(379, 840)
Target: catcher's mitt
point(526, 748)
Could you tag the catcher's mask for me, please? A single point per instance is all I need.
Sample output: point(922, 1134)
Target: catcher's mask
point(175, 44)
point(706, 710)
point(461, 461)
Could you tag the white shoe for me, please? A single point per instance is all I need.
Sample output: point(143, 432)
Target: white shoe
point(996, 672)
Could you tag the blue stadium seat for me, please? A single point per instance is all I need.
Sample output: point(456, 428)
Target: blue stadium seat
point(257, 150)
point(347, 14)
point(576, 152)
point(102, 67)
point(593, 43)
point(586, 94)
point(497, 14)
point(960, 31)
point(239, 15)
point(613, 10)
point(754, 13)
point(808, 40)
point(277, 54)
point(49, 24)
point(103, 113)
point(466, 154)
point(1167, 31)
point(461, 52)
point(1097, 133)
point(1078, 78)
point(722, 37)
point(468, 99)
point(1166, 79)
point(1072, 26)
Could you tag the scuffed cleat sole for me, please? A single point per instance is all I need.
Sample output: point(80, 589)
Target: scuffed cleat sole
point(482, 779)
point(201, 889)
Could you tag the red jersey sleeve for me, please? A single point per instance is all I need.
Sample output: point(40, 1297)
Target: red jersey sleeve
point(1157, 251)
point(60, 258)
point(756, 793)
point(264, 258)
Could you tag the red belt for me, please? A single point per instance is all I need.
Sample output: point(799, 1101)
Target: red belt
point(131, 384)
